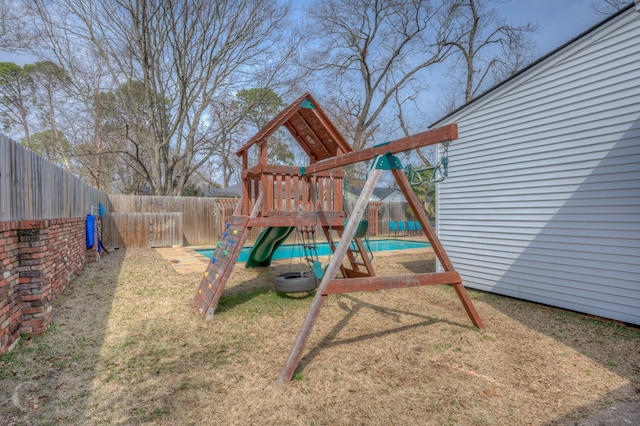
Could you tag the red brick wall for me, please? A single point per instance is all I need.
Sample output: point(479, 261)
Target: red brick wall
point(38, 258)
point(9, 301)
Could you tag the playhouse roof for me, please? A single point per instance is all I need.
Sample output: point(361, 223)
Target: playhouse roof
point(309, 126)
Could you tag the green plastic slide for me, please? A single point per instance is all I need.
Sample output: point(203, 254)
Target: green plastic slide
point(267, 243)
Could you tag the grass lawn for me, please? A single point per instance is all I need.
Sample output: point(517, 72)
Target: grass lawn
point(125, 347)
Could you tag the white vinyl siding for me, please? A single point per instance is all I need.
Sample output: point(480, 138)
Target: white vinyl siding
point(542, 201)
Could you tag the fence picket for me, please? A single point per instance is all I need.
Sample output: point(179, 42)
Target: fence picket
point(33, 188)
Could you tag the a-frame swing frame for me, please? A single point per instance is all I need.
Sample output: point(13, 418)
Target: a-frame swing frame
point(283, 196)
point(331, 285)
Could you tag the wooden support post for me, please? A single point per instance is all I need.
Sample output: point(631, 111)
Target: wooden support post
point(245, 199)
point(238, 209)
point(439, 250)
point(430, 137)
point(305, 332)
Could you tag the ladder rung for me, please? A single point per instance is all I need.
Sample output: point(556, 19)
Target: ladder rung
point(358, 263)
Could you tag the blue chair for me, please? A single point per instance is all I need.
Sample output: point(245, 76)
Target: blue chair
point(393, 228)
point(412, 227)
point(402, 228)
point(418, 227)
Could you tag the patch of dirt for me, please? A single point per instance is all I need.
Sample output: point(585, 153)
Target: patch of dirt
point(126, 348)
point(618, 414)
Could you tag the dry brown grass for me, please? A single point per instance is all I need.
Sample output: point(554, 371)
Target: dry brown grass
point(126, 348)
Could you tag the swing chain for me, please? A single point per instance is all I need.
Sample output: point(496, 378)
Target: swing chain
point(331, 199)
point(345, 208)
point(315, 219)
point(441, 170)
point(314, 261)
point(315, 202)
point(295, 242)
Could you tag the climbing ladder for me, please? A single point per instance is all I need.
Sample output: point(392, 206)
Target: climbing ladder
point(356, 255)
point(309, 245)
point(360, 264)
point(222, 262)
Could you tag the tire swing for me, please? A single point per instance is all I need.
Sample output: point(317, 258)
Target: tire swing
point(295, 282)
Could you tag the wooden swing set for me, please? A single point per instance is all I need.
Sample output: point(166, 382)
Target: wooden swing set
point(280, 198)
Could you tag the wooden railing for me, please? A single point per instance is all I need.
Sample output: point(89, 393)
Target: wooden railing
point(287, 193)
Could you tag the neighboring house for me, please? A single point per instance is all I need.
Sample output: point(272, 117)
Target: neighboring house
point(384, 195)
point(390, 195)
point(233, 191)
point(542, 201)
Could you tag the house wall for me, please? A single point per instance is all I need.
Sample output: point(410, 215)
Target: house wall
point(543, 196)
point(395, 197)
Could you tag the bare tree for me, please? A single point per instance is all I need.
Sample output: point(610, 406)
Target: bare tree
point(184, 54)
point(225, 165)
point(51, 80)
point(16, 91)
point(370, 52)
point(487, 48)
point(83, 120)
point(607, 7)
point(12, 34)
point(262, 105)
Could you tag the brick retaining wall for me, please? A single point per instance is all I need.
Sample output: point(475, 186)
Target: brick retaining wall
point(38, 258)
point(9, 301)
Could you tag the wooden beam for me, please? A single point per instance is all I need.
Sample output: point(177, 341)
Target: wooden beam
point(352, 273)
point(316, 138)
point(299, 139)
point(439, 250)
point(349, 285)
point(335, 216)
point(260, 169)
point(263, 222)
point(430, 137)
point(330, 273)
point(245, 199)
point(338, 139)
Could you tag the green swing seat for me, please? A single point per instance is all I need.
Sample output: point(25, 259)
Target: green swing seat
point(361, 232)
point(362, 229)
point(318, 270)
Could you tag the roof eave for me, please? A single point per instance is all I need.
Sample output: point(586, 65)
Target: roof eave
point(271, 127)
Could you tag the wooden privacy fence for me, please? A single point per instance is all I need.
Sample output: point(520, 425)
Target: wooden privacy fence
point(159, 221)
point(396, 211)
point(33, 188)
point(379, 214)
point(146, 229)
